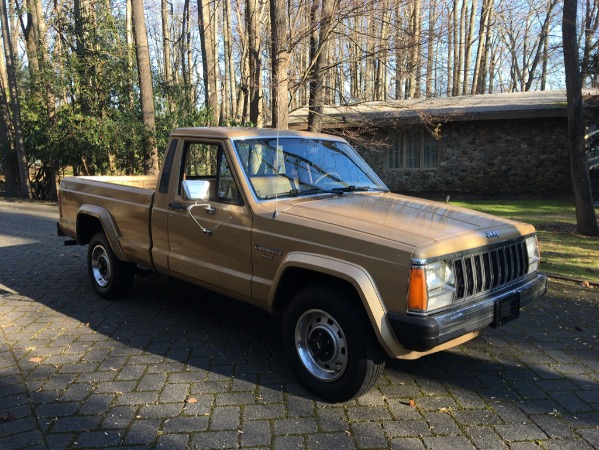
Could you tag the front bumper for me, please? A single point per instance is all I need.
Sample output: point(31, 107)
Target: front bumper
point(422, 333)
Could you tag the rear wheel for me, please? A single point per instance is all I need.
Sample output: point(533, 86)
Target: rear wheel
point(110, 277)
point(330, 343)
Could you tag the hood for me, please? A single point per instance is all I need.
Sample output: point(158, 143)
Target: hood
point(408, 220)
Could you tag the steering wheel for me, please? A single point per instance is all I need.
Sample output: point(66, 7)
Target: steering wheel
point(327, 175)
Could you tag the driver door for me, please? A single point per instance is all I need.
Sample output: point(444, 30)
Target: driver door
point(209, 240)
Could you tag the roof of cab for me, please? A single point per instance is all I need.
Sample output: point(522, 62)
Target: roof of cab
point(247, 133)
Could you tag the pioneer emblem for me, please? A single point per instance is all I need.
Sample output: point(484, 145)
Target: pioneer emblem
point(492, 234)
point(272, 251)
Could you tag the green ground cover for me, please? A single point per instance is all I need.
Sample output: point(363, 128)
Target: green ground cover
point(563, 252)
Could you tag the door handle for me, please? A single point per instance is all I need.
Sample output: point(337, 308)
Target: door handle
point(175, 205)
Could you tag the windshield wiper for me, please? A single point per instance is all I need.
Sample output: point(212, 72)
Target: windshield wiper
point(351, 188)
point(291, 193)
point(318, 190)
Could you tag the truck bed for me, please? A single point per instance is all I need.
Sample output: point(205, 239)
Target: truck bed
point(126, 199)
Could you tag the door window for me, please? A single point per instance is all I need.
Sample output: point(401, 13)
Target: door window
point(207, 161)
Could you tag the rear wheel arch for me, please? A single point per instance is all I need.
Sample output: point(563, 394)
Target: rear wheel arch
point(87, 226)
point(93, 219)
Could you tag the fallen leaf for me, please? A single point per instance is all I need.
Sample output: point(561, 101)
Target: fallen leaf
point(191, 400)
point(35, 360)
point(7, 417)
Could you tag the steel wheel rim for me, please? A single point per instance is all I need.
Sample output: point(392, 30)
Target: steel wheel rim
point(101, 268)
point(321, 345)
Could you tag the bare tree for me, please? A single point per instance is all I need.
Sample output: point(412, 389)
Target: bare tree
point(484, 36)
point(590, 60)
point(142, 53)
point(526, 43)
point(321, 19)
point(254, 85)
point(279, 25)
point(416, 54)
point(166, 49)
point(15, 106)
point(230, 93)
point(207, 19)
point(586, 219)
point(10, 171)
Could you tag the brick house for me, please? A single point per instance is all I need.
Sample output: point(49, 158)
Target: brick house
point(514, 143)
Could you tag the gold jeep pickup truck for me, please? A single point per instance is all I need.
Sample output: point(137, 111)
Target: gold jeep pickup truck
point(299, 225)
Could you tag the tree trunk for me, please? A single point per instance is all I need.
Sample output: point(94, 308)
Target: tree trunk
point(231, 85)
point(255, 64)
point(280, 63)
point(469, 43)
point(450, 14)
point(586, 219)
point(591, 23)
point(206, 13)
point(478, 79)
point(416, 51)
point(9, 159)
point(145, 87)
point(166, 50)
point(42, 83)
point(15, 105)
point(318, 61)
point(432, 14)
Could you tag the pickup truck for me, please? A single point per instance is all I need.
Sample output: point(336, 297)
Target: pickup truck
point(298, 224)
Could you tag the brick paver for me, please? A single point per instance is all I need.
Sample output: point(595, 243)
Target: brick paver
point(176, 367)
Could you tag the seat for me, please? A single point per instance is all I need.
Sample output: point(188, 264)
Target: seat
point(269, 186)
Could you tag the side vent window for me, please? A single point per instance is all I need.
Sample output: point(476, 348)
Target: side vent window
point(166, 170)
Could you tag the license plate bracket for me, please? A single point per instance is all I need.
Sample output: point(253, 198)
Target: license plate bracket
point(506, 310)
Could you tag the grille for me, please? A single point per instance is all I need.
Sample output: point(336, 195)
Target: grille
point(489, 270)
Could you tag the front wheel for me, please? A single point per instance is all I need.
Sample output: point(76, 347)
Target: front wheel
point(110, 277)
point(330, 343)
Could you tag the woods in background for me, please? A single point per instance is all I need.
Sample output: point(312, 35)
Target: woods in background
point(97, 85)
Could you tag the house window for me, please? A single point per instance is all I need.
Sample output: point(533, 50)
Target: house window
point(415, 148)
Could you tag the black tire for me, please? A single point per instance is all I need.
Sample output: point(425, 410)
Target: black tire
point(110, 277)
point(330, 344)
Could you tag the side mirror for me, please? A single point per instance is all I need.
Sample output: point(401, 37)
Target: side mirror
point(195, 189)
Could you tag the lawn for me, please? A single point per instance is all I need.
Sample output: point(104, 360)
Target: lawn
point(563, 252)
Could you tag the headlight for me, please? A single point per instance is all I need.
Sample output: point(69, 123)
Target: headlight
point(534, 255)
point(440, 283)
point(432, 286)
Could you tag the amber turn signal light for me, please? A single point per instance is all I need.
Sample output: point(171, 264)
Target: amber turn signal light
point(417, 296)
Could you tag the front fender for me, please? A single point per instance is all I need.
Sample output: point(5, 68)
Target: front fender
point(360, 279)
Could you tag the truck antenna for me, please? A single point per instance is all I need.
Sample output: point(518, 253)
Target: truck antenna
point(277, 169)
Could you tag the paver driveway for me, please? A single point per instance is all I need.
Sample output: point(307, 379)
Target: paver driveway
point(177, 367)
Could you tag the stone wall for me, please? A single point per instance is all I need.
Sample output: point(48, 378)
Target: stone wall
point(523, 156)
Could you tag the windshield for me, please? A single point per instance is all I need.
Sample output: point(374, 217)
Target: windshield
point(300, 166)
